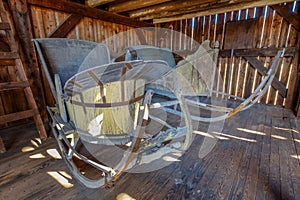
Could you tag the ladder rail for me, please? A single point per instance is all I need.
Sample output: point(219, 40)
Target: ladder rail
point(13, 57)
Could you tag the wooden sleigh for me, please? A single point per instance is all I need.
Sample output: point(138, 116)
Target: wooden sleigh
point(123, 112)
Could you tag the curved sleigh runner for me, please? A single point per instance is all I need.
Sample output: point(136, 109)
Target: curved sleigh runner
point(113, 117)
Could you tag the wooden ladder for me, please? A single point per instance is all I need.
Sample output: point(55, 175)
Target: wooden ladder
point(12, 59)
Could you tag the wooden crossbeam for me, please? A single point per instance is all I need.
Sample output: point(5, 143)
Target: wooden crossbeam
point(286, 13)
point(257, 64)
point(141, 36)
point(8, 55)
point(7, 62)
point(14, 85)
point(66, 26)
point(89, 12)
point(254, 52)
point(17, 116)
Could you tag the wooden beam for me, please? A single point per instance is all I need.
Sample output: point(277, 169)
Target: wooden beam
point(7, 62)
point(133, 5)
point(173, 5)
point(294, 84)
point(8, 55)
point(183, 11)
point(94, 3)
point(231, 6)
point(286, 13)
point(17, 116)
point(66, 6)
point(66, 26)
point(254, 52)
point(278, 85)
point(13, 85)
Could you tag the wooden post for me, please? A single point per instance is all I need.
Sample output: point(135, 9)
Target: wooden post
point(291, 99)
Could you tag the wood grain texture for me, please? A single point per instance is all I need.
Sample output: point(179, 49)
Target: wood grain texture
point(253, 160)
point(89, 12)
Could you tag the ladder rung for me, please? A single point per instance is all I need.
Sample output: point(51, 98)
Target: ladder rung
point(14, 85)
point(4, 26)
point(8, 55)
point(17, 116)
point(8, 62)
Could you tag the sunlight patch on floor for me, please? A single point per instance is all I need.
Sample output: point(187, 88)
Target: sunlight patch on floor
point(287, 129)
point(211, 135)
point(62, 178)
point(235, 137)
point(124, 196)
point(27, 149)
point(296, 156)
point(251, 131)
point(278, 137)
point(37, 156)
point(35, 143)
point(53, 153)
point(297, 140)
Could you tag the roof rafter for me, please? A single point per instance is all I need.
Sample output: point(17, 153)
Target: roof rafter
point(231, 6)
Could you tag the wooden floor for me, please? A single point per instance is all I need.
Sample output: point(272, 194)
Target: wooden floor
point(257, 157)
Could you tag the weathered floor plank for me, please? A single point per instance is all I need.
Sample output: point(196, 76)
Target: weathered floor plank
point(256, 157)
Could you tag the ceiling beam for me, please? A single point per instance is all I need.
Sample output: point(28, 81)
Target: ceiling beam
point(133, 5)
point(231, 6)
point(94, 3)
point(66, 6)
point(186, 10)
point(173, 5)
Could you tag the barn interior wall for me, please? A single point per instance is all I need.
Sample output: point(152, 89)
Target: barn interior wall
point(237, 75)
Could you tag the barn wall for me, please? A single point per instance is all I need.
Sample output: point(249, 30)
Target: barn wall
point(45, 21)
point(33, 21)
point(115, 36)
point(271, 31)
